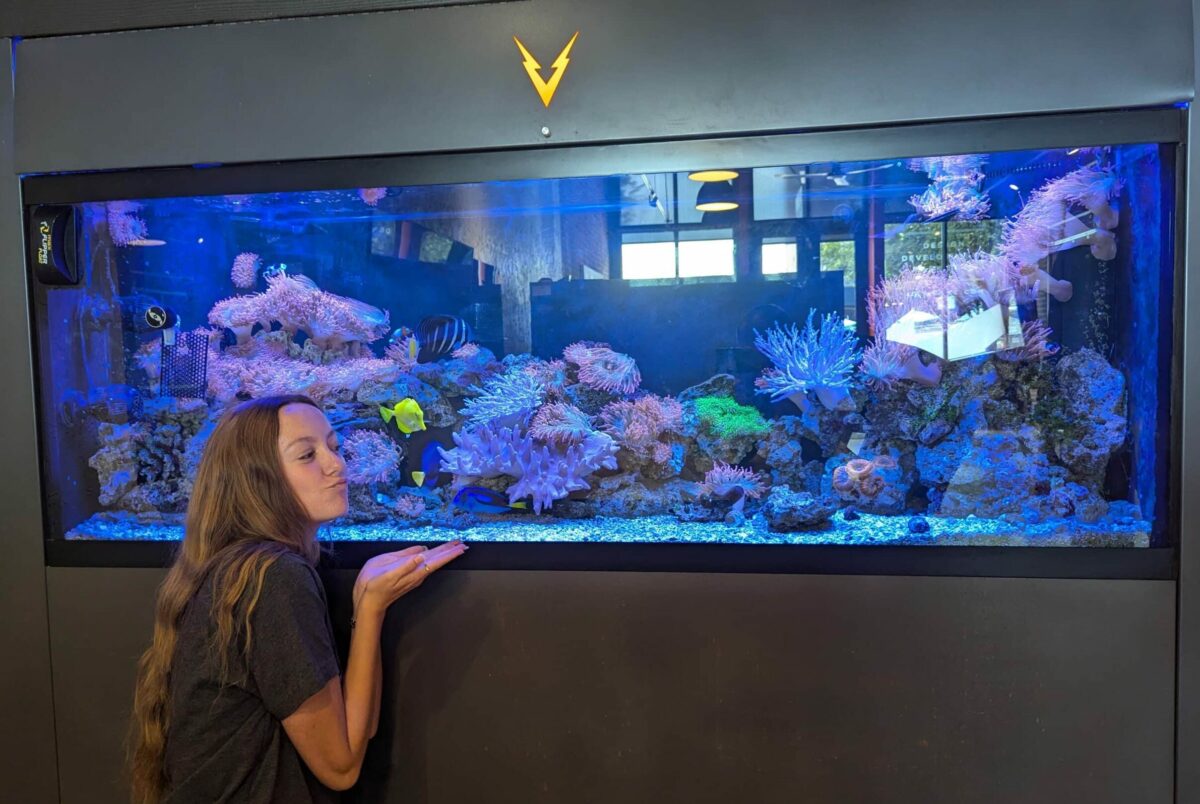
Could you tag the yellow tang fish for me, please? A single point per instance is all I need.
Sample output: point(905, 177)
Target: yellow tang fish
point(407, 413)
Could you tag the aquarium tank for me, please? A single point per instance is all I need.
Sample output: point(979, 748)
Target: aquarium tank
point(964, 349)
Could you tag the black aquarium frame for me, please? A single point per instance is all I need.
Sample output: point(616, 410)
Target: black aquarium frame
point(1160, 125)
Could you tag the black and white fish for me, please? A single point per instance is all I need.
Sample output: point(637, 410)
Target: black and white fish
point(440, 335)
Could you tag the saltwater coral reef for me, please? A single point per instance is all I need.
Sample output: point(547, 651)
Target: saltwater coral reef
point(954, 188)
point(542, 472)
point(560, 423)
point(637, 425)
point(331, 322)
point(601, 368)
point(507, 399)
point(885, 362)
point(371, 457)
point(125, 227)
point(244, 272)
point(819, 359)
point(1035, 343)
point(724, 480)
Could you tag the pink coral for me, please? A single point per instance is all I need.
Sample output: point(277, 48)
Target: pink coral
point(983, 277)
point(552, 374)
point(371, 457)
point(297, 304)
point(404, 352)
point(1045, 224)
point(1036, 344)
point(604, 369)
point(409, 506)
point(466, 351)
point(560, 423)
point(371, 196)
point(724, 479)
point(124, 226)
point(926, 291)
point(245, 269)
point(885, 362)
point(638, 424)
point(953, 189)
point(232, 375)
point(662, 453)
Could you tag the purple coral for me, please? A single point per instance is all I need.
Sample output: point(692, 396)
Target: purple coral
point(245, 269)
point(560, 423)
point(604, 369)
point(507, 399)
point(821, 359)
point(371, 457)
point(543, 472)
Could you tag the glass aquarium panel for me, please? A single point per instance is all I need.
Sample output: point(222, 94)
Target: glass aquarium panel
point(958, 350)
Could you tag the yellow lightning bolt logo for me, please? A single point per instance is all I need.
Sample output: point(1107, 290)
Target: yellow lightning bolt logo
point(546, 89)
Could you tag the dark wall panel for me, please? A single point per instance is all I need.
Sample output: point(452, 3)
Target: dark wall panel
point(451, 78)
point(648, 687)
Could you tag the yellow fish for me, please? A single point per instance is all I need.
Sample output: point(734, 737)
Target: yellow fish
point(407, 413)
point(418, 478)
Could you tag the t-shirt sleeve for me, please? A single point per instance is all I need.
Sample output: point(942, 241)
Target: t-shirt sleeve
point(291, 649)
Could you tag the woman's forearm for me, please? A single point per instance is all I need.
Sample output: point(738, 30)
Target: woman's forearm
point(362, 683)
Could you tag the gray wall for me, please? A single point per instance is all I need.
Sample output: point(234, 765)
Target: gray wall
point(1022, 689)
point(27, 733)
point(451, 78)
point(649, 687)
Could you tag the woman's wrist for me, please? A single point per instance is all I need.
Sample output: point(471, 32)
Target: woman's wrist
point(366, 614)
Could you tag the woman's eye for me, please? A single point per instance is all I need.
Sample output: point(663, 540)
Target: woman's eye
point(306, 456)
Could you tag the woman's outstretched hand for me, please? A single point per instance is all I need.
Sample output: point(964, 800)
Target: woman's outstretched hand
point(386, 578)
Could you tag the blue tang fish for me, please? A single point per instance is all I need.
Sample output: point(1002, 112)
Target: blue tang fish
point(479, 500)
point(431, 466)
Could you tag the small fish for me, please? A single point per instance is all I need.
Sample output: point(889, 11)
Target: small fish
point(479, 500)
point(407, 414)
point(440, 335)
point(418, 478)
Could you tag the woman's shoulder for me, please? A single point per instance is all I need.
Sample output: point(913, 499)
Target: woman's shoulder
point(290, 575)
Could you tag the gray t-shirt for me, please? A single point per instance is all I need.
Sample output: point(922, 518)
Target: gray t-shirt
point(226, 743)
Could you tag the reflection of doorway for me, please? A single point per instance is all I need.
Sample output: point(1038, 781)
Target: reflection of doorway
point(807, 251)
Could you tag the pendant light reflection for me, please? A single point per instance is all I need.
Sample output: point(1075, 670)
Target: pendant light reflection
point(716, 196)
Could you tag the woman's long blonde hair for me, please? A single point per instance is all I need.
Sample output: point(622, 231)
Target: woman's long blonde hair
point(242, 516)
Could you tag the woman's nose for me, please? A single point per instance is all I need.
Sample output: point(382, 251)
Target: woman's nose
point(334, 463)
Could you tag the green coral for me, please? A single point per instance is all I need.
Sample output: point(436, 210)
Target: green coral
point(727, 419)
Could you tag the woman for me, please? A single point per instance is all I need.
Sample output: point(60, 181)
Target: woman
point(239, 697)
